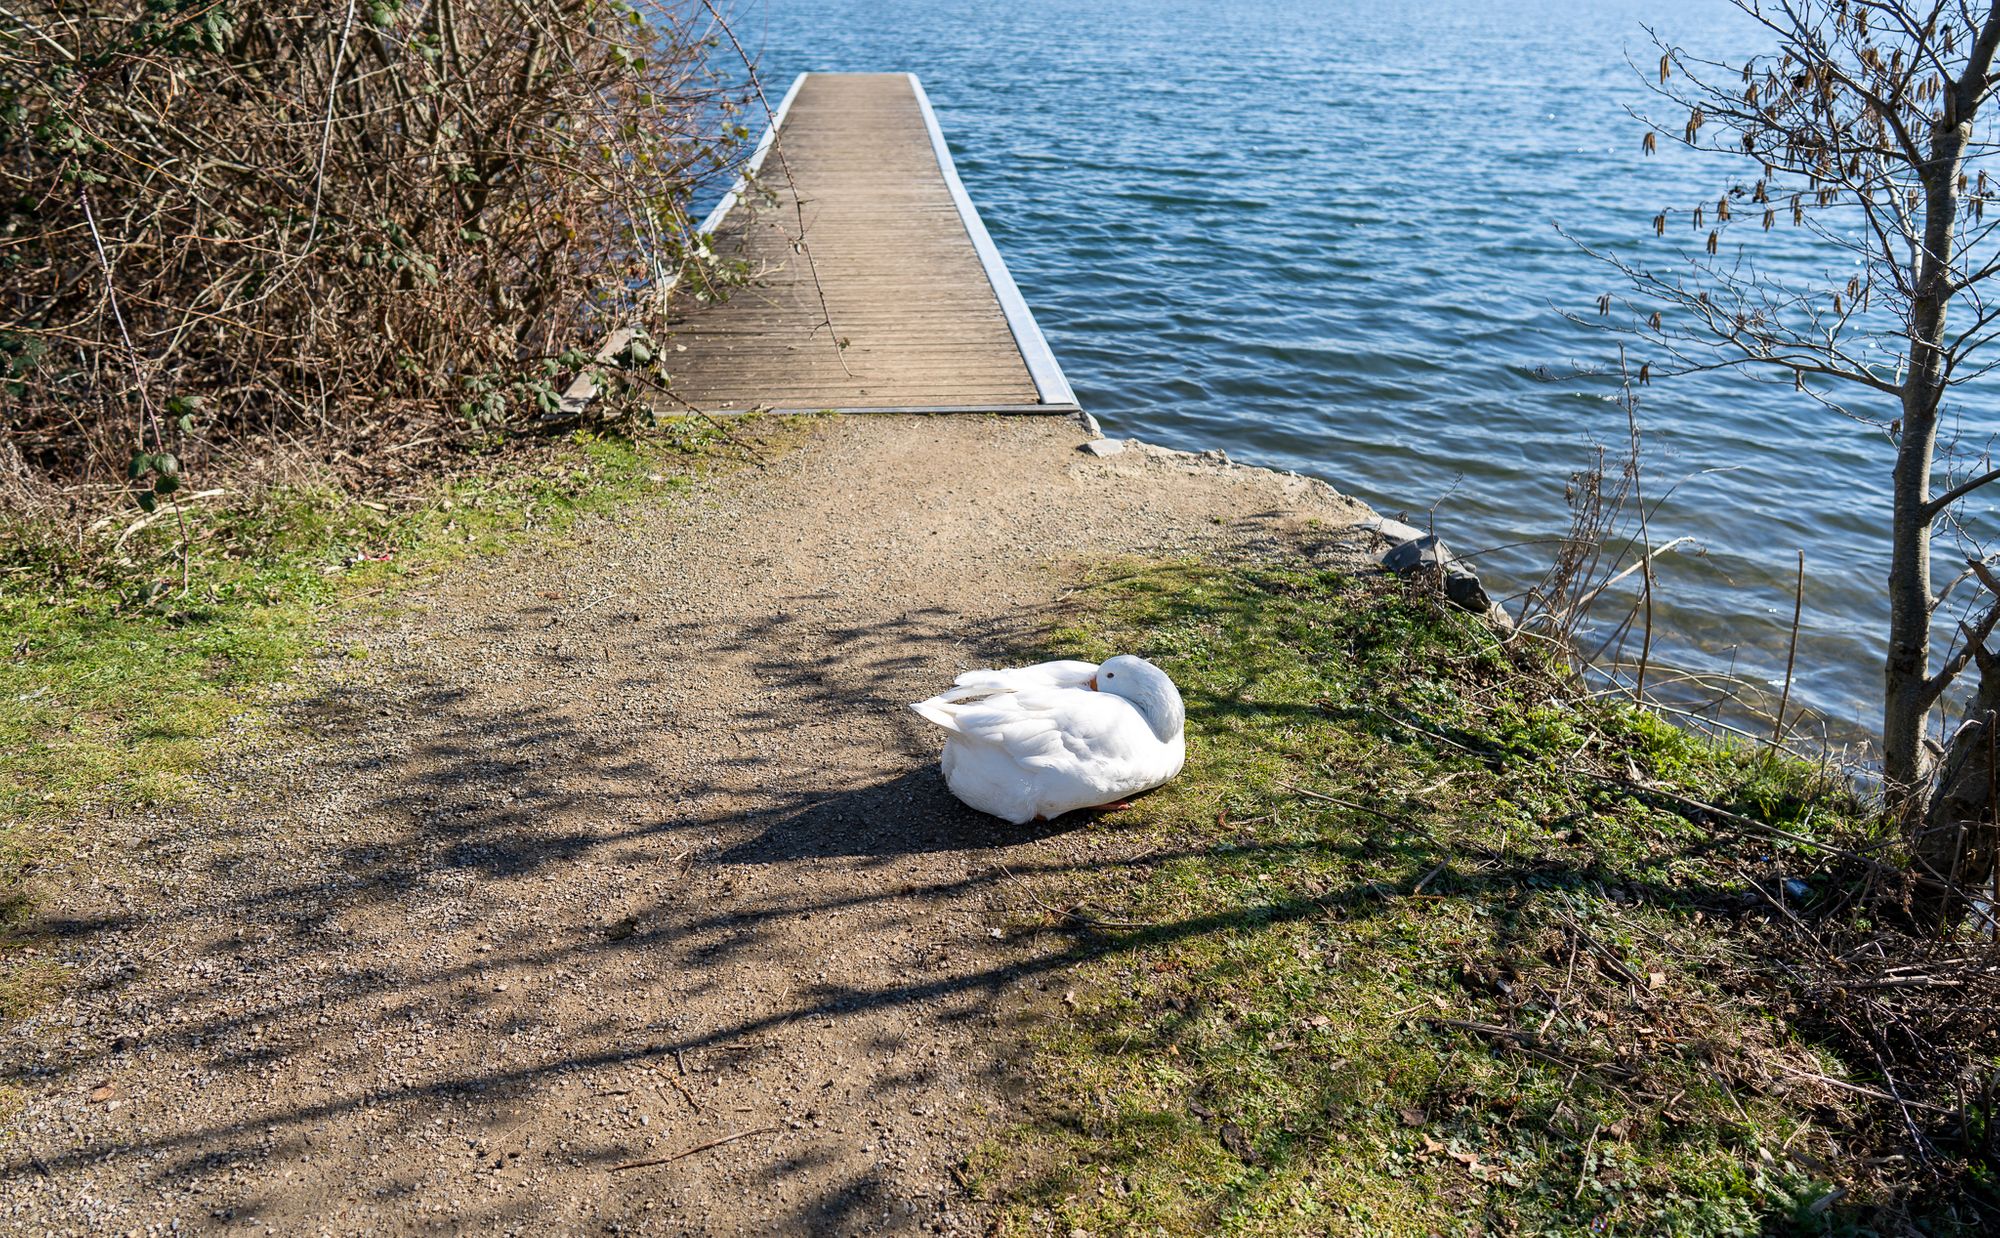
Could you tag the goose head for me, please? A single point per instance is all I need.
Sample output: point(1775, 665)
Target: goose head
point(1149, 690)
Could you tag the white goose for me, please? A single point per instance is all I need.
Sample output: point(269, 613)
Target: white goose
point(1033, 743)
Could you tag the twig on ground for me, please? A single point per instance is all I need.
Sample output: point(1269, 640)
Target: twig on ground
point(682, 1088)
point(1393, 818)
point(1555, 1007)
point(1527, 1042)
point(1357, 806)
point(708, 419)
point(1844, 1085)
point(1070, 913)
point(1602, 951)
point(700, 1147)
point(1583, 1166)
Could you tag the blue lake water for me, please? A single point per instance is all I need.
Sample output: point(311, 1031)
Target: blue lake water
point(1321, 234)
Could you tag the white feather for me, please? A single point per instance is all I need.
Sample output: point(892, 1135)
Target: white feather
point(1037, 741)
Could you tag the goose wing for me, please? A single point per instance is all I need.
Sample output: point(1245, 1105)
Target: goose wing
point(1054, 729)
point(1064, 673)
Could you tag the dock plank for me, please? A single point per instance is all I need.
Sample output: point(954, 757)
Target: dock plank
point(920, 318)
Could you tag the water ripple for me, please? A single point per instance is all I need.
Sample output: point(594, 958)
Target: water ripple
point(1321, 235)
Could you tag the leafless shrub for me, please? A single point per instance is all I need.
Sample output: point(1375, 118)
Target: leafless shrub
point(1597, 496)
point(1609, 540)
point(1595, 601)
point(349, 224)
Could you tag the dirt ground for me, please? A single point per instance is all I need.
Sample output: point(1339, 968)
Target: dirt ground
point(611, 848)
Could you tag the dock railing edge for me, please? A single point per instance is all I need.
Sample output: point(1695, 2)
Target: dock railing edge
point(583, 388)
point(1050, 383)
point(1051, 386)
point(713, 219)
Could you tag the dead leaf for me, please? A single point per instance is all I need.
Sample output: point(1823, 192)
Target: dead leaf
point(1656, 980)
point(1238, 1143)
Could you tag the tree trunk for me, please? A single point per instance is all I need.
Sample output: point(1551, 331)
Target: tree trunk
point(1907, 690)
point(1906, 671)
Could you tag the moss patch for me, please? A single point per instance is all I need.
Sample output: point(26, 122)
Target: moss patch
point(1421, 942)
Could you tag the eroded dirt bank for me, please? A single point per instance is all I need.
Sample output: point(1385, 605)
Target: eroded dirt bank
point(605, 850)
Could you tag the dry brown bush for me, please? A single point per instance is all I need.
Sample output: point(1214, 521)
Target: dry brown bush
point(352, 223)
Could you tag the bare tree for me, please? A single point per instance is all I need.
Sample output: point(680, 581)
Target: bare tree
point(1863, 123)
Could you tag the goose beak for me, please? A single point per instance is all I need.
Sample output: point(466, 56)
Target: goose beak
point(1093, 683)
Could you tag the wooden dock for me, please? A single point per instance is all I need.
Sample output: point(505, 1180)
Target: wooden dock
point(898, 300)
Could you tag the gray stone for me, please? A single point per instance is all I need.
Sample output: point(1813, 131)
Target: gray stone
point(1413, 551)
point(1424, 550)
point(1103, 446)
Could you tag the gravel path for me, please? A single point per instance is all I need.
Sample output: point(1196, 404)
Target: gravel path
point(610, 848)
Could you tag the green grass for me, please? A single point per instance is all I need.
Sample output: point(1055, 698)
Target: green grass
point(1403, 952)
point(117, 684)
